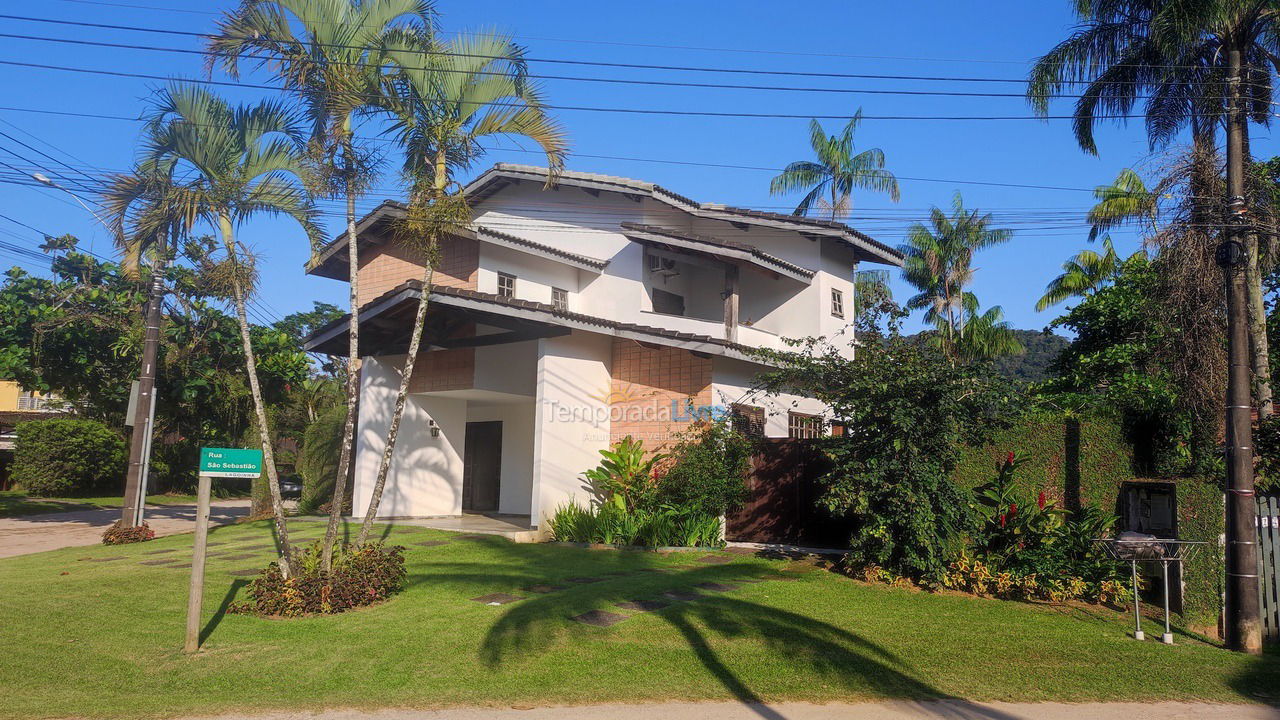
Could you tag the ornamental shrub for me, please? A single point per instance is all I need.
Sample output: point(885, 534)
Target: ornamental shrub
point(68, 457)
point(119, 535)
point(708, 470)
point(362, 575)
point(613, 524)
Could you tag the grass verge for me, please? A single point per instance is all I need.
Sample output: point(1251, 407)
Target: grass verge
point(102, 639)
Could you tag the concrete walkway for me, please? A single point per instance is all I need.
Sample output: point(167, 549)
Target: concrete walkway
point(901, 710)
point(52, 531)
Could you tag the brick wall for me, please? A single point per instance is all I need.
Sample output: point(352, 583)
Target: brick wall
point(439, 370)
point(382, 267)
point(652, 389)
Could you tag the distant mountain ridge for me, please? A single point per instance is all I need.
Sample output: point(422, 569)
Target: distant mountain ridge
point(1035, 365)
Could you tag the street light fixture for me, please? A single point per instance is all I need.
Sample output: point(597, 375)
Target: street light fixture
point(142, 402)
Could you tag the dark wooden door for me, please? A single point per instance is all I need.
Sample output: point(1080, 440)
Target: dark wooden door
point(482, 466)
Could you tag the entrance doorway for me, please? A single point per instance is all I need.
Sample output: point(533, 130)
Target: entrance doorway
point(482, 466)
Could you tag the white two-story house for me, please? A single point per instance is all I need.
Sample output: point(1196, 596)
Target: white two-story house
point(569, 317)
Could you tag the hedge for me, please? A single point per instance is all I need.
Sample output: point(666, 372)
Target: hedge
point(1085, 461)
point(68, 457)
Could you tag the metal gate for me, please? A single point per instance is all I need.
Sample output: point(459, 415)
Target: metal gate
point(1269, 560)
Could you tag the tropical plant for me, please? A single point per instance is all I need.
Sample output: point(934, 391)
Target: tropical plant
point(329, 54)
point(707, 469)
point(828, 183)
point(1085, 273)
point(658, 526)
point(985, 333)
point(939, 264)
point(872, 298)
point(626, 474)
point(235, 162)
point(452, 95)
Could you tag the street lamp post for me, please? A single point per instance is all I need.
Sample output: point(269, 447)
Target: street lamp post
point(144, 407)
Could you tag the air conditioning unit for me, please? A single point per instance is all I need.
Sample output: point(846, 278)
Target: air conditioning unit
point(665, 267)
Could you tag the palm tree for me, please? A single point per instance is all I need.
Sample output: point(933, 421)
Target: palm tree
point(1127, 200)
point(939, 259)
point(236, 162)
point(986, 335)
point(830, 181)
point(329, 53)
point(453, 95)
point(870, 291)
point(1198, 63)
point(1082, 275)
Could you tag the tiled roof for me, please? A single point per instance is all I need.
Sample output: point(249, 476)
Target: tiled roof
point(715, 243)
point(441, 293)
point(547, 249)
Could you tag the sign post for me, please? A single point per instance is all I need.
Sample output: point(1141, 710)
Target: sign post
point(214, 462)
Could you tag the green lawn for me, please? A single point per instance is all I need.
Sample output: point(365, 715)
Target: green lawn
point(14, 503)
point(103, 639)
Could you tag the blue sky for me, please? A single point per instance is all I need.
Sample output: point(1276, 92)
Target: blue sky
point(942, 38)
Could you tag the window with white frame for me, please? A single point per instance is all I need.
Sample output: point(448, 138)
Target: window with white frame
point(807, 427)
point(559, 298)
point(506, 285)
point(837, 303)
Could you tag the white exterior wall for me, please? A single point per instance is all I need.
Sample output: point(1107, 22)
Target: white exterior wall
point(571, 424)
point(535, 276)
point(511, 368)
point(425, 477)
point(515, 488)
point(731, 382)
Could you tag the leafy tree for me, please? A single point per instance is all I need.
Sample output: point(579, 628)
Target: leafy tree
point(829, 182)
point(1127, 200)
point(907, 411)
point(329, 54)
point(452, 95)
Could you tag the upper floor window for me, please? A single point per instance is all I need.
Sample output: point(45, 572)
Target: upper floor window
point(559, 299)
point(506, 285)
point(837, 303)
point(804, 426)
point(667, 303)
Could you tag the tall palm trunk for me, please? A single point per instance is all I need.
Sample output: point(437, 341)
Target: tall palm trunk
point(259, 407)
point(402, 396)
point(1261, 360)
point(353, 358)
point(419, 322)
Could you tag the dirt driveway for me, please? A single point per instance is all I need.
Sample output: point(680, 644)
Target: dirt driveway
point(51, 531)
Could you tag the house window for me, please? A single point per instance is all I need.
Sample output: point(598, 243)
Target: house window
point(747, 419)
point(805, 427)
point(837, 303)
point(838, 430)
point(506, 285)
point(559, 299)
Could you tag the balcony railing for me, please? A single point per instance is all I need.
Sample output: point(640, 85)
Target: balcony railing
point(30, 403)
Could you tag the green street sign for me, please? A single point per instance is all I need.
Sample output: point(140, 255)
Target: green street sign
point(230, 462)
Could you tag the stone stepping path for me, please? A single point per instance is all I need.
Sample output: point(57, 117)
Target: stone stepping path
point(542, 589)
point(715, 559)
point(102, 559)
point(599, 618)
point(158, 552)
point(431, 543)
point(642, 605)
point(683, 595)
point(584, 580)
point(497, 599)
point(241, 556)
point(717, 587)
point(245, 573)
point(156, 562)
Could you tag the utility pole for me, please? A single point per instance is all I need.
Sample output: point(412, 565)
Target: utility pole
point(1243, 621)
point(144, 412)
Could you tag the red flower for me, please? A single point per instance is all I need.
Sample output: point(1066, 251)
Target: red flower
point(1013, 509)
point(1040, 500)
point(1008, 459)
point(1002, 518)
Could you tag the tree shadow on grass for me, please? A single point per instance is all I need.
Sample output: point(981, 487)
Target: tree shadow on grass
point(1260, 680)
point(530, 626)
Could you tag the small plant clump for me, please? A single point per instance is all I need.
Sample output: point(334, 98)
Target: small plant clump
point(361, 575)
point(119, 535)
